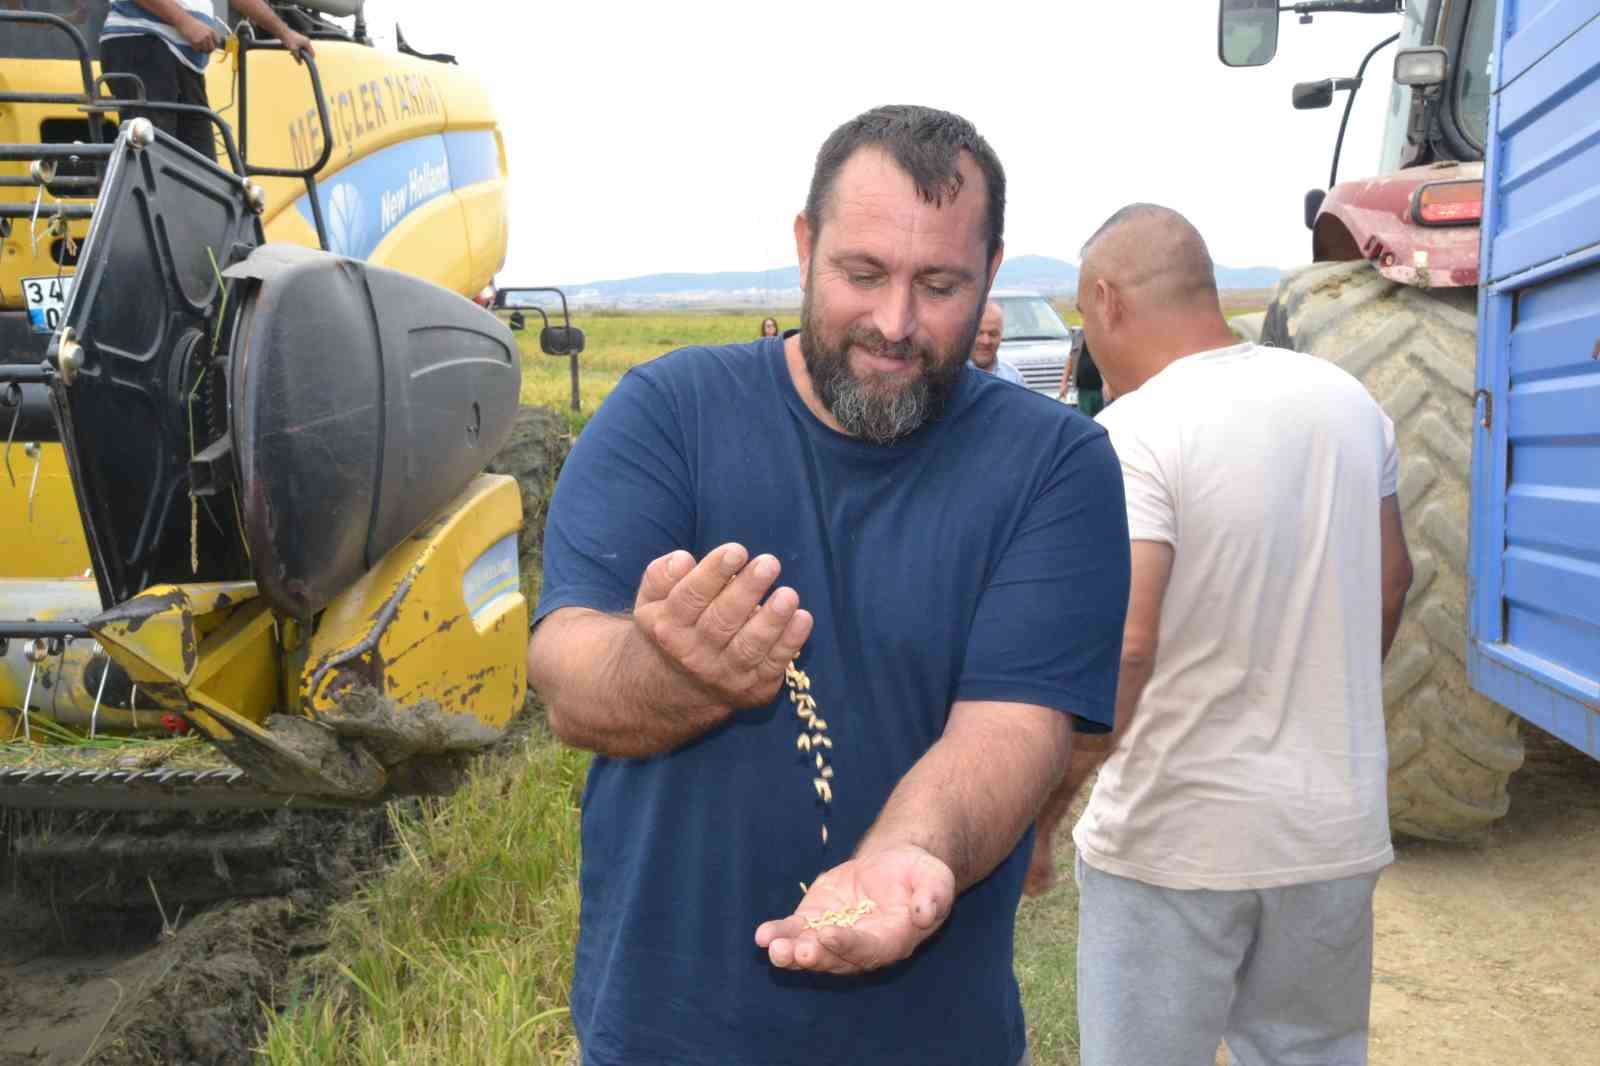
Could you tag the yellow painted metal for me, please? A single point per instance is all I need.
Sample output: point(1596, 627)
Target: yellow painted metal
point(54, 600)
point(376, 99)
point(171, 639)
point(21, 256)
point(407, 629)
point(48, 542)
point(237, 672)
point(208, 651)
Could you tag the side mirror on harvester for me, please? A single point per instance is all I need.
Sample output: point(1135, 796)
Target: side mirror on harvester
point(561, 340)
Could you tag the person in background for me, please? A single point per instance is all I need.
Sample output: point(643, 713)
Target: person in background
point(820, 742)
point(1088, 383)
point(167, 44)
point(769, 327)
point(1229, 850)
point(986, 346)
point(1081, 383)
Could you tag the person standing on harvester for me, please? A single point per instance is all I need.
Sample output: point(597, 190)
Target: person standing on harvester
point(167, 45)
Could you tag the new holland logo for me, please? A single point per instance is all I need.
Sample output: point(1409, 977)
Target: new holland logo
point(346, 221)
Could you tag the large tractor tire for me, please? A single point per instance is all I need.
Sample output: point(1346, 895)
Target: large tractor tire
point(1451, 752)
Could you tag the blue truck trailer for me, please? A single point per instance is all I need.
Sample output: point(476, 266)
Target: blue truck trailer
point(1535, 565)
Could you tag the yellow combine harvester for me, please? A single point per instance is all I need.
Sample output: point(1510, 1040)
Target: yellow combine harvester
point(247, 411)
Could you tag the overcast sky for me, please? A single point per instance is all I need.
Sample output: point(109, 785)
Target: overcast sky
point(653, 137)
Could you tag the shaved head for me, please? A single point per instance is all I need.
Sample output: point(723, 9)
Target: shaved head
point(1154, 256)
point(1148, 295)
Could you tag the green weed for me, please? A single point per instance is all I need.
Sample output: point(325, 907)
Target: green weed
point(462, 952)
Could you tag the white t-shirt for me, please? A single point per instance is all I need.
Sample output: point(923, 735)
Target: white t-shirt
point(1256, 757)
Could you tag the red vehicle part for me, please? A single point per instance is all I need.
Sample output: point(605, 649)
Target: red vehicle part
point(1374, 219)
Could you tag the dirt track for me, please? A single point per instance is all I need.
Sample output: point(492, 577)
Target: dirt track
point(1491, 955)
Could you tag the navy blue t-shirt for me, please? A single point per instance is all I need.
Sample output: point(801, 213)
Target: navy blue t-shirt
point(984, 557)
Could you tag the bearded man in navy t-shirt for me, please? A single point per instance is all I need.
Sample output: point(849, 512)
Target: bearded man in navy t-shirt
point(805, 833)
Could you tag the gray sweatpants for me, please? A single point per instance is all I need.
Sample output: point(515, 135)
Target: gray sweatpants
point(1283, 975)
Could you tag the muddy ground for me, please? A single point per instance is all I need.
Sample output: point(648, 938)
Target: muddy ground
point(99, 985)
point(151, 982)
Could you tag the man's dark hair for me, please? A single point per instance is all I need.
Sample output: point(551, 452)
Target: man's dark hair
point(923, 142)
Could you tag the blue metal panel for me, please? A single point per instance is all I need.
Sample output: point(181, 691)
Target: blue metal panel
point(1562, 710)
point(1535, 31)
point(1549, 129)
point(1535, 562)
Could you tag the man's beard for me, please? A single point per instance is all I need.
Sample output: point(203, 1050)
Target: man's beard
point(868, 407)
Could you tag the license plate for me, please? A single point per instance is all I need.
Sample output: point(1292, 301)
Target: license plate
point(46, 300)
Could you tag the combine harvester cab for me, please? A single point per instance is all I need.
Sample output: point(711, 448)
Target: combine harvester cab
point(248, 501)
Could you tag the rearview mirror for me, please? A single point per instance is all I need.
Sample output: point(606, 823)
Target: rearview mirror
point(561, 340)
point(1310, 95)
point(1247, 32)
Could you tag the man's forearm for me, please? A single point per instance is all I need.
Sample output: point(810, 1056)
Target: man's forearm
point(607, 690)
point(970, 797)
point(260, 13)
point(1084, 762)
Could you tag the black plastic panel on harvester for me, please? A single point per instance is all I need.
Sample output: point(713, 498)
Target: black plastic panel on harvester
point(143, 306)
point(363, 400)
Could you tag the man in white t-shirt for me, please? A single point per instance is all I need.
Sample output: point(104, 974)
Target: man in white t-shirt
point(1229, 850)
point(986, 346)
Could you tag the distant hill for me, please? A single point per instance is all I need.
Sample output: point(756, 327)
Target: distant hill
point(780, 286)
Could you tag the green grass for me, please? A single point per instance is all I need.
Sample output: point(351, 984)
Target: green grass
point(463, 951)
point(1047, 966)
point(615, 341)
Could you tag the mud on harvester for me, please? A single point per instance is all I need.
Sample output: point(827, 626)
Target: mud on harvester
point(1464, 294)
point(251, 559)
